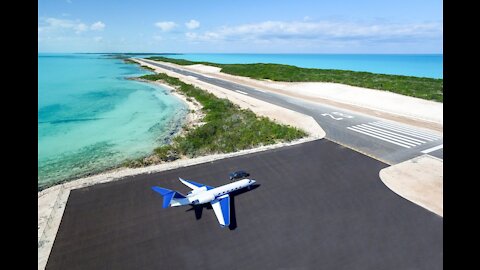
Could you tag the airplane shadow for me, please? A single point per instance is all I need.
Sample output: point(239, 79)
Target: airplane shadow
point(198, 209)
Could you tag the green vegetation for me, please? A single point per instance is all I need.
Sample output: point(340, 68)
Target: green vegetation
point(182, 62)
point(426, 88)
point(148, 68)
point(129, 61)
point(167, 153)
point(226, 128)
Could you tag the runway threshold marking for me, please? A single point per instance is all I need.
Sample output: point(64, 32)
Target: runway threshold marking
point(378, 137)
point(395, 134)
point(241, 92)
point(426, 151)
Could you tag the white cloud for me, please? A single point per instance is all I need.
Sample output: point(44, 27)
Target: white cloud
point(54, 28)
point(98, 26)
point(157, 38)
point(322, 30)
point(165, 26)
point(59, 23)
point(192, 24)
point(98, 39)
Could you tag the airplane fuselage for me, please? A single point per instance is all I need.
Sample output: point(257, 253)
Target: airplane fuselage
point(218, 197)
point(203, 195)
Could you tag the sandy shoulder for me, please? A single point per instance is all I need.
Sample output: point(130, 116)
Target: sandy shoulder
point(204, 68)
point(419, 180)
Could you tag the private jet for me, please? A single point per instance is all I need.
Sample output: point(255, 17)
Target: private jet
point(218, 197)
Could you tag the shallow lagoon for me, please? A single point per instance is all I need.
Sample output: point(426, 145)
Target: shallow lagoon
point(91, 118)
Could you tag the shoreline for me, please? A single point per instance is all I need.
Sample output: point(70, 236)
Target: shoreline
point(194, 116)
point(192, 120)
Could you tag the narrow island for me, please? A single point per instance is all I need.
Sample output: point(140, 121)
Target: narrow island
point(223, 127)
point(425, 88)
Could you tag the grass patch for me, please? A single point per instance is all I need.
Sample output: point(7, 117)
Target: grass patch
point(227, 128)
point(129, 61)
point(425, 88)
point(147, 68)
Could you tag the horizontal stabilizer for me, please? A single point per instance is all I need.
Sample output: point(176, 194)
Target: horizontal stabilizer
point(162, 191)
point(168, 195)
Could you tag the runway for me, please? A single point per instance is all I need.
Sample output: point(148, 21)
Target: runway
point(388, 141)
point(318, 205)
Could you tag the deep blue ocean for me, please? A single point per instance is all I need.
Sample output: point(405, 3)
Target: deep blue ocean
point(418, 65)
point(90, 117)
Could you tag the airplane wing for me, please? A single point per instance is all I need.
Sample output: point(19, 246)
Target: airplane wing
point(221, 207)
point(193, 185)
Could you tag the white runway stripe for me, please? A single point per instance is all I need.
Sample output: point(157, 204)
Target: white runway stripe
point(412, 132)
point(406, 132)
point(418, 131)
point(372, 135)
point(383, 135)
point(395, 135)
point(426, 151)
point(241, 92)
point(399, 135)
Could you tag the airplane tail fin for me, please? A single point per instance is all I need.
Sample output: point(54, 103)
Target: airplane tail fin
point(168, 195)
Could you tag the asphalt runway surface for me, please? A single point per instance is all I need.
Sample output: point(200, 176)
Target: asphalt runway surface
point(318, 205)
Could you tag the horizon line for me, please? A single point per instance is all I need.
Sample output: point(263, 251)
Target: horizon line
point(172, 53)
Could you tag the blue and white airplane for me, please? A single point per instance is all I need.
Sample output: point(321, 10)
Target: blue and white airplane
point(200, 194)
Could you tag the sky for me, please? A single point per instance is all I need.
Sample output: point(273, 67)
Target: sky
point(214, 26)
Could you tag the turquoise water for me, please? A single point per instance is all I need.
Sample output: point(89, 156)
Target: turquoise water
point(418, 65)
point(90, 117)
